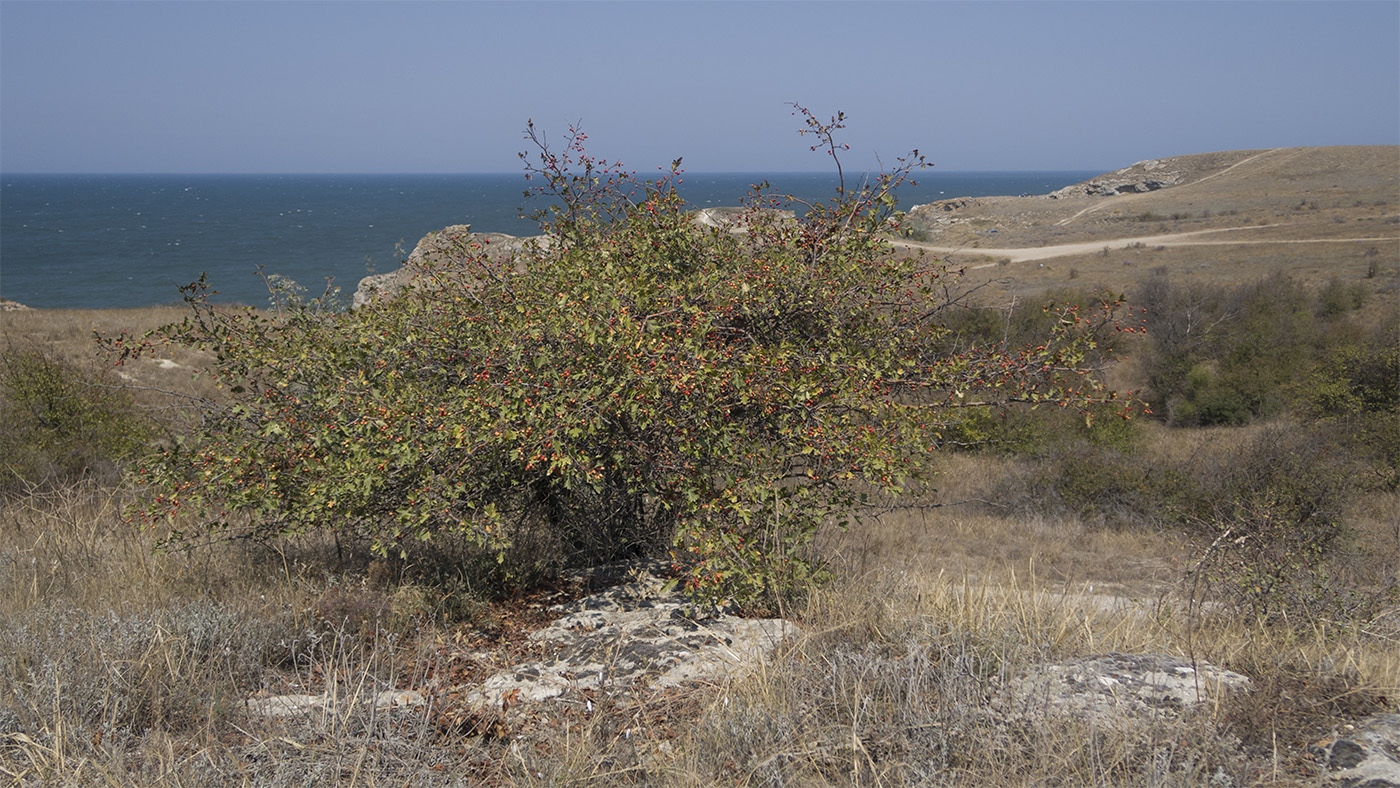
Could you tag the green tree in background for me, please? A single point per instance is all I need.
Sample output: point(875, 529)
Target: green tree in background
point(61, 423)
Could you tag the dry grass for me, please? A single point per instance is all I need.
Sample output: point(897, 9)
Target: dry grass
point(1229, 266)
point(1311, 192)
point(972, 530)
point(895, 688)
point(1300, 205)
point(121, 667)
point(124, 667)
point(68, 334)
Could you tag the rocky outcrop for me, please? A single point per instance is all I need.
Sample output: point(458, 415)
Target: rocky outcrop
point(447, 247)
point(1145, 176)
point(632, 637)
point(1121, 686)
point(1367, 755)
point(635, 636)
point(639, 636)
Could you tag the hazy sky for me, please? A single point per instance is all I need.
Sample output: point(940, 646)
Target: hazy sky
point(321, 87)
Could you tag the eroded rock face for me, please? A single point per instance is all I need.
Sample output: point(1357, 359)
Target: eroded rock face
point(1367, 756)
point(1145, 176)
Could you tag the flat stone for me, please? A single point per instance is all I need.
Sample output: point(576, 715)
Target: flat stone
point(1365, 756)
point(1122, 685)
point(630, 637)
point(277, 706)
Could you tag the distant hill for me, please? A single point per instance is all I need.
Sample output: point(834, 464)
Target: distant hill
point(1232, 188)
point(1316, 213)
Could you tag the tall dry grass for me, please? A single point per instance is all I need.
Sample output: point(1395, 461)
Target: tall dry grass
point(122, 667)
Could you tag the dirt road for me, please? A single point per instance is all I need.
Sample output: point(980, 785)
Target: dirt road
point(1025, 254)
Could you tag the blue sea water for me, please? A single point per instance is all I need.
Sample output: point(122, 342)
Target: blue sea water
point(107, 241)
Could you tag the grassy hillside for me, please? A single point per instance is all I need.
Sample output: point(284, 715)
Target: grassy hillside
point(1314, 213)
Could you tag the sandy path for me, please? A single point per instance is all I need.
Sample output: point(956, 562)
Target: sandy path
point(1025, 254)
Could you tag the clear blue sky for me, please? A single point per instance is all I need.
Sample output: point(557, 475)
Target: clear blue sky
point(321, 87)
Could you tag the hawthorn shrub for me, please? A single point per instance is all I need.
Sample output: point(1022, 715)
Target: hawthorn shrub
point(631, 382)
point(1027, 323)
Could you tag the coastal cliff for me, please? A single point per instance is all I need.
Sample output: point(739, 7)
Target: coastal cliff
point(447, 247)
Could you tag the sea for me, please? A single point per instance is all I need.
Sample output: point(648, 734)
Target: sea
point(114, 241)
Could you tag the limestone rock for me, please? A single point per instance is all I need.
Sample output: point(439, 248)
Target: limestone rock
point(375, 285)
point(444, 248)
point(633, 636)
point(1366, 756)
point(291, 705)
point(1122, 686)
point(1145, 176)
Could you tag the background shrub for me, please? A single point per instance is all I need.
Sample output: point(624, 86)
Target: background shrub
point(1354, 394)
point(1274, 509)
point(1266, 504)
point(1099, 484)
point(60, 423)
point(1227, 357)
